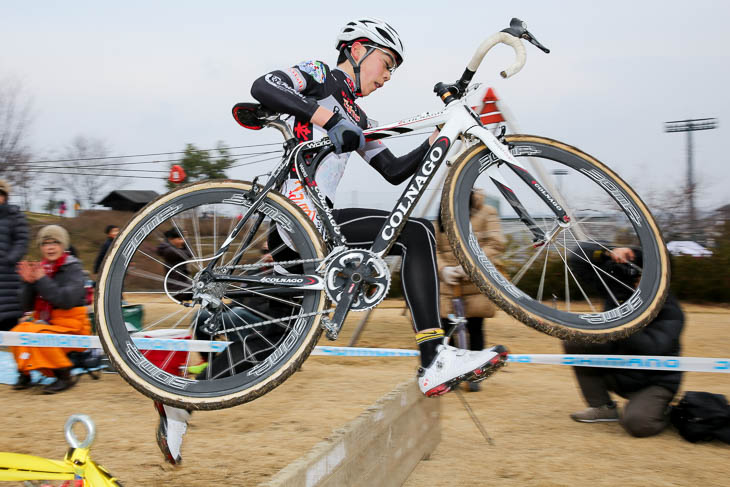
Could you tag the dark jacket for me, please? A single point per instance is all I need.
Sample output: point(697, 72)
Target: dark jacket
point(13, 245)
point(660, 337)
point(102, 253)
point(64, 291)
point(173, 256)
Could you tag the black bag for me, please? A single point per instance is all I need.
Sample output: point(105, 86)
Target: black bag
point(702, 416)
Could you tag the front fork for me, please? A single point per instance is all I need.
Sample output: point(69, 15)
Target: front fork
point(502, 155)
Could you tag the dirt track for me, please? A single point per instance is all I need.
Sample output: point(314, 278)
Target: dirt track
point(525, 409)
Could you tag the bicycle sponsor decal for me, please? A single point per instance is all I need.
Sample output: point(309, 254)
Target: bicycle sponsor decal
point(413, 192)
point(265, 208)
point(165, 213)
point(288, 344)
point(155, 373)
point(518, 150)
point(631, 305)
point(547, 196)
point(601, 179)
point(491, 270)
point(302, 281)
point(297, 194)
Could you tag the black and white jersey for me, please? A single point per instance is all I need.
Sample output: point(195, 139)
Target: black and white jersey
point(299, 91)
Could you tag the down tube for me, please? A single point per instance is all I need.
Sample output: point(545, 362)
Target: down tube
point(419, 182)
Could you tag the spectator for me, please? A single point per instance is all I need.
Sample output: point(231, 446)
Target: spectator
point(13, 245)
point(174, 251)
point(54, 290)
point(111, 232)
point(648, 392)
point(454, 281)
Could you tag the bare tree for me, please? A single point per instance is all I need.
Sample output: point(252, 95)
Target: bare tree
point(86, 173)
point(670, 207)
point(15, 118)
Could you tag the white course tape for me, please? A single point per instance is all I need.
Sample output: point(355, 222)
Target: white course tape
point(364, 352)
point(642, 362)
point(639, 362)
point(20, 339)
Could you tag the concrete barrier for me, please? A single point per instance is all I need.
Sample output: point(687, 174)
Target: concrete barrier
point(380, 447)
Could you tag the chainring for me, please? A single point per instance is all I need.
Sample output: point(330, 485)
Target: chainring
point(375, 286)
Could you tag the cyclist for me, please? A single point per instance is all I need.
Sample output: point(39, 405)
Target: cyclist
point(322, 102)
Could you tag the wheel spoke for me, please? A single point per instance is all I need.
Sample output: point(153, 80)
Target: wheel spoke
point(187, 245)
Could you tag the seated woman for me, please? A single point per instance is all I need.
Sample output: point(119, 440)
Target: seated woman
point(54, 291)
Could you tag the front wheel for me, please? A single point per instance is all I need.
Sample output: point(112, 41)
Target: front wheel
point(560, 277)
point(154, 283)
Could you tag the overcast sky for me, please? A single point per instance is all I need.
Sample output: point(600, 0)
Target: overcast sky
point(148, 76)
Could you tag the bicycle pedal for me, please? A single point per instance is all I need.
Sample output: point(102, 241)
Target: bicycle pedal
point(332, 331)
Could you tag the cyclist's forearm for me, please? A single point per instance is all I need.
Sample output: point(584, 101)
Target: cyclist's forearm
point(397, 169)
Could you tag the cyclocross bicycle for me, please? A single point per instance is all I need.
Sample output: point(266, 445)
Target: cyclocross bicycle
point(271, 304)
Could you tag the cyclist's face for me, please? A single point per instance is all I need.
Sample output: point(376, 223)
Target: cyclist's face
point(375, 70)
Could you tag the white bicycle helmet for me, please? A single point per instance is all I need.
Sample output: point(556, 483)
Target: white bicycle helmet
point(375, 30)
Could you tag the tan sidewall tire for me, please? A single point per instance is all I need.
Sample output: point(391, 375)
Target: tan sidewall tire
point(284, 370)
point(507, 303)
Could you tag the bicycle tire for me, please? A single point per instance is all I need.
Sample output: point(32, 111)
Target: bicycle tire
point(579, 325)
point(215, 393)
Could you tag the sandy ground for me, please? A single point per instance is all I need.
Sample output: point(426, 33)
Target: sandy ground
point(524, 408)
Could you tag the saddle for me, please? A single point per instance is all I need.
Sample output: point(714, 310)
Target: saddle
point(253, 116)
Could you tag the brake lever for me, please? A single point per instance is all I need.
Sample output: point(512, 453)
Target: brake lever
point(518, 29)
point(531, 39)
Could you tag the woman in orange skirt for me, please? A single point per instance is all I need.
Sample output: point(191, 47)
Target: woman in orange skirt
point(54, 291)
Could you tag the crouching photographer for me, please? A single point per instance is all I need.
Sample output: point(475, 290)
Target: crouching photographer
point(649, 393)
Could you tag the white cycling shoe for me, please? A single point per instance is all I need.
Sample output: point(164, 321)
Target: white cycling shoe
point(454, 365)
point(170, 431)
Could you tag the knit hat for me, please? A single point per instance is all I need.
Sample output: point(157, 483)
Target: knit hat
point(173, 233)
point(5, 187)
point(54, 232)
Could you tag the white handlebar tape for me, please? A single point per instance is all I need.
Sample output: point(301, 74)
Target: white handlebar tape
point(500, 38)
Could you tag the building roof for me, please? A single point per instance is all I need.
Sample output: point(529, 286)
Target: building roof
point(133, 195)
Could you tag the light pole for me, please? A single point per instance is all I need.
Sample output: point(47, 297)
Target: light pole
point(559, 172)
point(690, 126)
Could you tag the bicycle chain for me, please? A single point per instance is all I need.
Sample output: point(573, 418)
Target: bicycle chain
point(260, 266)
point(262, 323)
point(267, 264)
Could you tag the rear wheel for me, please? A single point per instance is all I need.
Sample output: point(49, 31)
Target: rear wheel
point(271, 329)
point(568, 286)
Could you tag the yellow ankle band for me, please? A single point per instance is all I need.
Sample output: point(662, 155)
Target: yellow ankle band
point(425, 336)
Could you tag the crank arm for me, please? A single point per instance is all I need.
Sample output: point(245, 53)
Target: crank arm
point(333, 326)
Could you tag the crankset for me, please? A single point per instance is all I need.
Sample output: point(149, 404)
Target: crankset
point(357, 280)
point(375, 277)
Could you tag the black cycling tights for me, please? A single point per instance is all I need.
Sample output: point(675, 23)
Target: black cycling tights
point(417, 246)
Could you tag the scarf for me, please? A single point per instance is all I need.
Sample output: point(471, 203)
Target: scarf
point(42, 307)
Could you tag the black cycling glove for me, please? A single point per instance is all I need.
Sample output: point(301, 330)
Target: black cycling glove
point(345, 135)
